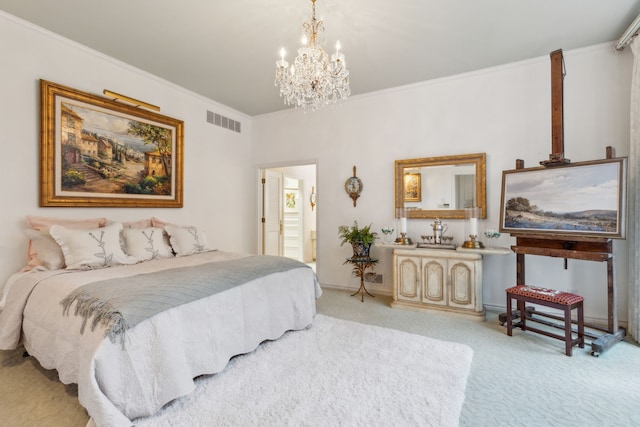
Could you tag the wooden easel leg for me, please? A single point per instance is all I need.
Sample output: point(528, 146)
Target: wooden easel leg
point(606, 341)
point(616, 334)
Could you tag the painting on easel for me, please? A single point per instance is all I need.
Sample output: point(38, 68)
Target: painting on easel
point(580, 199)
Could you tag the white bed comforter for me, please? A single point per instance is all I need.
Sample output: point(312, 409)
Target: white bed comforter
point(162, 355)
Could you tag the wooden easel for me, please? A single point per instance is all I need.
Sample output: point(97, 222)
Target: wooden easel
point(582, 248)
point(574, 247)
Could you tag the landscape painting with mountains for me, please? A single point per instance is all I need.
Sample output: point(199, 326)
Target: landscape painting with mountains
point(582, 199)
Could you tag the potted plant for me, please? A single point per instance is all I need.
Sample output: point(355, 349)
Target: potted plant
point(361, 239)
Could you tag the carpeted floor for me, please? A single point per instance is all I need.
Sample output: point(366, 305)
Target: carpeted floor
point(524, 380)
point(33, 396)
point(334, 373)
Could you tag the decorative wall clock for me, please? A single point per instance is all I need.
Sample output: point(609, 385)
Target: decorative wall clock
point(353, 187)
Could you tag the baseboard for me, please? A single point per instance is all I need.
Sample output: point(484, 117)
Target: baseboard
point(371, 289)
point(599, 322)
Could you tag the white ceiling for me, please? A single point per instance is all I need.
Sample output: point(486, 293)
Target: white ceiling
point(226, 50)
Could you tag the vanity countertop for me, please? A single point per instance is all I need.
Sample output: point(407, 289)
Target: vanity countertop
point(487, 250)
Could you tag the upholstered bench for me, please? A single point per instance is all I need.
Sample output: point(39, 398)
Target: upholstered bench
point(560, 300)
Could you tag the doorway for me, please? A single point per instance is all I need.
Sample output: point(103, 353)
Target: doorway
point(287, 218)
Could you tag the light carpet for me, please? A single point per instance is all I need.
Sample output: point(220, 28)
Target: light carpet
point(336, 372)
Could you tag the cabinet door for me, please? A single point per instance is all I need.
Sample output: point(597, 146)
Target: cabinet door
point(407, 286)
point(434, 281)
point(462, 292)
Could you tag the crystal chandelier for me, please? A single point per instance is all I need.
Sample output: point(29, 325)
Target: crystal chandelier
point(313, 80)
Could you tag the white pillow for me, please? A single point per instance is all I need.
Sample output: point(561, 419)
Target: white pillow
point(95, 248)
point(187, 240)
point(49, 252)
point(146, 243)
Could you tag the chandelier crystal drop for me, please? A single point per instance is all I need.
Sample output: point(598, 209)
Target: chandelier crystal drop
point(313, 80)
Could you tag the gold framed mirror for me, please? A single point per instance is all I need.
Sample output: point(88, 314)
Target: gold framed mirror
point(441, 187)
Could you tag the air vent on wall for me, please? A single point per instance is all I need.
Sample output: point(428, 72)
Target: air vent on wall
point(224, 122)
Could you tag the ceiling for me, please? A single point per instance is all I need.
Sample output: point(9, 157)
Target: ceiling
point(226, 50)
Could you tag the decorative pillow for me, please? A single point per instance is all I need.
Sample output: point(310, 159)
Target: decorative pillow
point(43, 223)
point(95, 248)
point(146, 243)
point(48, 252)
point(143, 223)
point(157, 222)
point(187, 240)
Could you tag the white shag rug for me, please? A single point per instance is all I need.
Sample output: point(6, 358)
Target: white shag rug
point(336, 372)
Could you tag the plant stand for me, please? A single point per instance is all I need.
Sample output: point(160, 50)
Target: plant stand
point(360, 265)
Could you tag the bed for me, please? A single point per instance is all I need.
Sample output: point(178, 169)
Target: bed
point(133, 372)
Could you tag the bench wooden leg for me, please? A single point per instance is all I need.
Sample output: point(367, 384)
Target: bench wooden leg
point(581, 325)
point(509, 321)
point(567, 331)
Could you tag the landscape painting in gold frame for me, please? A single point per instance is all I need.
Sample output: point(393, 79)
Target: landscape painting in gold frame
point(96, 152)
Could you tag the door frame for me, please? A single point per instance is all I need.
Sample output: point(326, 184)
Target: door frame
point(260, 201)
point(265, 230)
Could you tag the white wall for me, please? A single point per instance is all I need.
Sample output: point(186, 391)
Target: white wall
point(217, 162)
point(503, 111)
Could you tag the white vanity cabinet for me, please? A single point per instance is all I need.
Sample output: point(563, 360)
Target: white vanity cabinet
point(438, 279)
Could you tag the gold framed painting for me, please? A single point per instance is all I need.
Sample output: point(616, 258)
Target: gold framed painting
point(96, 152)
point(412, 187)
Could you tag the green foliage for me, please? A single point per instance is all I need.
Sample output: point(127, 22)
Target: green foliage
point(130, 188)
point(520, 204)
point(157, 185)
point(163, 185)
point(148, 182)
point(154, 135)
point(150, 134)
point(73, 177)
point(354, 234)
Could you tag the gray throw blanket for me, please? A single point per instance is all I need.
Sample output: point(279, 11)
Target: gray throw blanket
point(122, 303)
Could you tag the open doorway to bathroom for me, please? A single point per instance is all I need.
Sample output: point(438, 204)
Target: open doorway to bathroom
point(287, 211)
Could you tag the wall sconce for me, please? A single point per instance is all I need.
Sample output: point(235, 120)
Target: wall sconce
point(312, 198)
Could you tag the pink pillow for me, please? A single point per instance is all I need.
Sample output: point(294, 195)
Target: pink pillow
point(42, 223)
point(157, 222)
point(143, 223)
